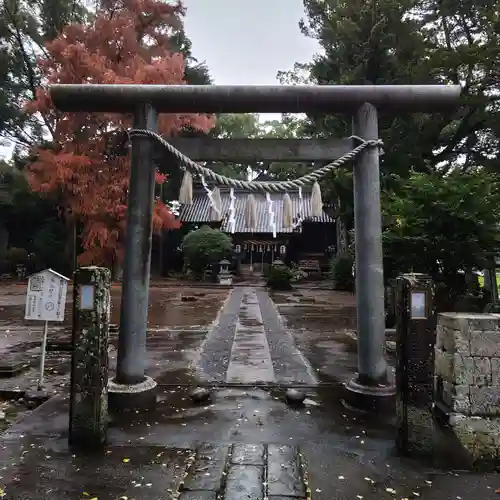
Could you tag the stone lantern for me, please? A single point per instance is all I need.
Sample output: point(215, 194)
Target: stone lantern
point(278, 263)
point(225, 276)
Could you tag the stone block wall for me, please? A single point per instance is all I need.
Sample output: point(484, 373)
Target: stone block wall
point(467, 380)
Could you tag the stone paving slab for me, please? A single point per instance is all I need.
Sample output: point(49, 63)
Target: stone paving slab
point(245, 481)
point(46, 469)
point(289, 363)
point(248, 454)
point(284, 472)
point(198, 495)
point(215, 351)
point(208, 470)
point(244, 471)
point(250, 357)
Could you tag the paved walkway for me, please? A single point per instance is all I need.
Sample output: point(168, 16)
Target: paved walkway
point(249, 344)
point(246, 444)
point(250, 359)
point(241, 471)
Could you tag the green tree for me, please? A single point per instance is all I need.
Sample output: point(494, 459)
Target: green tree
point(442, 225)
point(25, 27)
point(363, 43)
point(236, 126)
point(205, 247)
point(463, 39)
point(341, 271)
point(195, 72)
point(289, 127)
point(249, 126)
point(407, 42)
point(24, 215)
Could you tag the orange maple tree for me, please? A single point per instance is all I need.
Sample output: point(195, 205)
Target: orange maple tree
point(126, 42)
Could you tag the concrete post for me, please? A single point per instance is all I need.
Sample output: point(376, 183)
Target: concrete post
point(372, 377)
point(416, 336)
point(130, 378)
point(89, 370)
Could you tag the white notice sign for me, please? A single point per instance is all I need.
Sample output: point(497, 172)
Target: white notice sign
point(418, 305)
point(46, 297)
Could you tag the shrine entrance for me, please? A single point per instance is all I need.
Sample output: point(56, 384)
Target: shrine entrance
point(362, 103)
point(259, 254)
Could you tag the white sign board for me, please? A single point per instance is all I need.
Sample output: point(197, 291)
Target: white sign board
point(46, 297)
point(87, 297)
point(418, 305)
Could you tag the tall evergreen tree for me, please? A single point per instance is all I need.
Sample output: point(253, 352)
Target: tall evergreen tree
point(25, 27)
point(403, 42)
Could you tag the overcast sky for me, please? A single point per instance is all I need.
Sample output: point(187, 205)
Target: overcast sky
point(247, 41)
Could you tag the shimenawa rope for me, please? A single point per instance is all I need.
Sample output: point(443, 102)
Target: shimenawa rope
point(259, 186)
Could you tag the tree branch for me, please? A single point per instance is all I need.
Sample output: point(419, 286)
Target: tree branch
point(27, 63)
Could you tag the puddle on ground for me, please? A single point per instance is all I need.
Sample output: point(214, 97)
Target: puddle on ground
point(167, 308)
point(321, 332)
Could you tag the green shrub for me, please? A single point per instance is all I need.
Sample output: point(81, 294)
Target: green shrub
point(266, 270)
point(341, 271)
point(205, 247)
point(49, 246)
point(14, 257)
point(297, 274)
point(280, 278)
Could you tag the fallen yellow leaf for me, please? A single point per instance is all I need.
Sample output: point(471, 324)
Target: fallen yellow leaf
point(125, 460)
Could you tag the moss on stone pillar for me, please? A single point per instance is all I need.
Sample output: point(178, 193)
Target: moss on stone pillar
point(89, 370)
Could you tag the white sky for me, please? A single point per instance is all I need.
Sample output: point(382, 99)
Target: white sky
point(247, 42)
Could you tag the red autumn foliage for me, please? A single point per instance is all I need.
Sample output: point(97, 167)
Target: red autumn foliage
point(127, 42)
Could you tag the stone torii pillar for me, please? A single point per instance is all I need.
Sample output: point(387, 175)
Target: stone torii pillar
point(372, 385)
point(361, 101)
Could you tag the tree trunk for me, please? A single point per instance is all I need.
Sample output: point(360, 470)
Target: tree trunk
point(116, 270)
point(70, 247)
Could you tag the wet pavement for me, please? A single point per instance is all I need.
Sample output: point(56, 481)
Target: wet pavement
point(168, 306)
point(250, 359)
point(178, 322)
point(247, 442)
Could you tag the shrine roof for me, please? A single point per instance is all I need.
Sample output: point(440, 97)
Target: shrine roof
point(199, 210)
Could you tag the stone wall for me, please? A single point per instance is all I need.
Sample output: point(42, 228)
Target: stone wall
point(467, 380)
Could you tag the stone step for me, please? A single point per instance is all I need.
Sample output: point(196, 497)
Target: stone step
point(246, 471)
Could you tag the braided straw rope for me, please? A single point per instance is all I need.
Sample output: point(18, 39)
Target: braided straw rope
point(258, 186)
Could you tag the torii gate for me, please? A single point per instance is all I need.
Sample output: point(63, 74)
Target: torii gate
point(362, 102)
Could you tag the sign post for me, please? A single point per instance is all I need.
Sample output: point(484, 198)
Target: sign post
point(416, 334)
point(88, 414)
point(45, 301)
point(44, 350)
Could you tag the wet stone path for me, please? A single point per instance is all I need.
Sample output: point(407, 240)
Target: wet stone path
point(208, 472)
point(249, 344)
point(250, 359)
point(244, 471)
point(244, 445)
